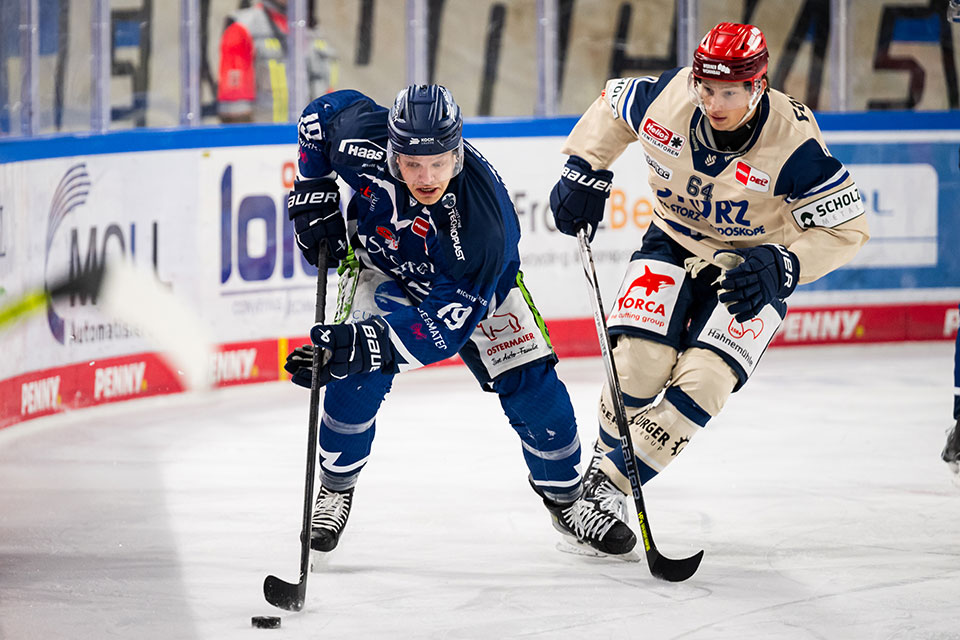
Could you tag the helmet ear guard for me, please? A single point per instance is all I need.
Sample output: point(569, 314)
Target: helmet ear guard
point(424, 121)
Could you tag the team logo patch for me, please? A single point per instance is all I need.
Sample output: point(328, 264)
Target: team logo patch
point(387, 235)
point(831, 210)
point(362, 149)
point(743, 342)
point(420, 227)
point(752, 178)
point(662, 138)
point(614, 93)
point(449, 200)
point(658, 168)
point(647, 296)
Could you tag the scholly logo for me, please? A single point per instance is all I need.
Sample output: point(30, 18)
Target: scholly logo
point(70, 194)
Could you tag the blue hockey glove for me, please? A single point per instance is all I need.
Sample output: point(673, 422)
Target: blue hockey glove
point(767, 272)
point(314, 207)
point(578, 198)
point(359, 347)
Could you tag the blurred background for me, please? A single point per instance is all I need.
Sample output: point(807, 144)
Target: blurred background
point(114, 64)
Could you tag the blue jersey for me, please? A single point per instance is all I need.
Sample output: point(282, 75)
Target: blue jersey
point(454, 259)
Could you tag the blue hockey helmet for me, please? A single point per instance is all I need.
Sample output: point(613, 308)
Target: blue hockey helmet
point(424, 121)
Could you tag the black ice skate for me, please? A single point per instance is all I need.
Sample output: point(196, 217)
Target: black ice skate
point(951, 452)
point(583, 522)
point(598, 487)
point(329, 518)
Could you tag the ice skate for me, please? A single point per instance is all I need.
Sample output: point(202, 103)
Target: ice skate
point(597, 486)
point(329, 518)
point(951, 451)
point(584, 524)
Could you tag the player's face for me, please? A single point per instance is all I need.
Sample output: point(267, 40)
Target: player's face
point(725, 103)
point(427, 177)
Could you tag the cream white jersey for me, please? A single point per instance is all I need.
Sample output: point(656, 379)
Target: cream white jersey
point(783, 186)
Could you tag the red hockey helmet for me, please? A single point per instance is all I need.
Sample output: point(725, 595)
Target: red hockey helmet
point(731, 52)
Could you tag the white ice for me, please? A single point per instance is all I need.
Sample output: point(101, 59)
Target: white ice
point(818, 496)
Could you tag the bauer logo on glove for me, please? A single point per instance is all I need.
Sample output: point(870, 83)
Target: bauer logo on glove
point(346, 349)
point(765, 273)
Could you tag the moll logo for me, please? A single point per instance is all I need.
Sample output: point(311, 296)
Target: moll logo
point(89, 247)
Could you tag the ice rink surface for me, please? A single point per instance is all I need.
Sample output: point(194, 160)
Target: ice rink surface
point(818, 496)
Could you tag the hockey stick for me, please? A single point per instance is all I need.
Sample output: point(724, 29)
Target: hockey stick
point(87, 285)
point(280, 593)
point(660, 566)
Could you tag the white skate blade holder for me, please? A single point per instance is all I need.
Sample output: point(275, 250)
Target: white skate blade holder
point(573, 547)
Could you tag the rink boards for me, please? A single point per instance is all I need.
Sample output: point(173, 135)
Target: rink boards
point(204, 210)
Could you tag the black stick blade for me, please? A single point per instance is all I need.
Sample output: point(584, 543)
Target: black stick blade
point(284, 595)
point(673, 570)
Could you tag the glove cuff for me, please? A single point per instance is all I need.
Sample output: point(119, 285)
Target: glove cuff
point(788, 268)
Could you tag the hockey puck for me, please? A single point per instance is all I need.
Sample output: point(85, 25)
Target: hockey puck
point(265, 622)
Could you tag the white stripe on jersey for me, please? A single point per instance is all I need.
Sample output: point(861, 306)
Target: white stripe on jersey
point(411, 362)
point(330, 461)
point(346, 427)
point(628, 100)
point(826, 185)
point(560, 484)
point(956, 391)
point(558, 454)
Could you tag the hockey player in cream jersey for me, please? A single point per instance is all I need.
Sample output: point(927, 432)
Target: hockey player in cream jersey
point(749, 204)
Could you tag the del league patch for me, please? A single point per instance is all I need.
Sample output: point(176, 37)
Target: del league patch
point(662, 138)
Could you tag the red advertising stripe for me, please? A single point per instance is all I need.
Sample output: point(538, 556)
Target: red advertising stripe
point(86, 384)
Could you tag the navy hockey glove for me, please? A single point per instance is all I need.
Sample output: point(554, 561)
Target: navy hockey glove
point(578, 198)
point(300, 365)
point(352, 348)
point(314, 207)
point(767, 272)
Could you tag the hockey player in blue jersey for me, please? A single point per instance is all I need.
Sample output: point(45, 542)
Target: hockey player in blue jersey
point(951, 451)
point(748, 204)
point(429, 268)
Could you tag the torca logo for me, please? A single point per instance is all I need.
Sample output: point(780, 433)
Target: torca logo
point(651, 283)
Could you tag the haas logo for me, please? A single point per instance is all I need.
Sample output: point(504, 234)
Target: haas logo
point(498, 323)
point(650, 282)
point(740, 329)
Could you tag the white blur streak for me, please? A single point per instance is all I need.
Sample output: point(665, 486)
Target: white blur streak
point(175, 329)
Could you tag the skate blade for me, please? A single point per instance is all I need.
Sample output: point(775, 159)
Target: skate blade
point(580, 549)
